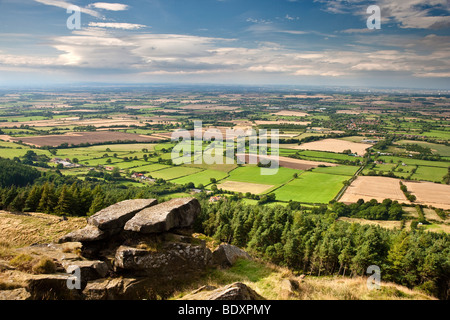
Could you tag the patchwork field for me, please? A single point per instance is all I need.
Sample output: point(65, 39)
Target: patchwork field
point(379, 188)
point(335, 145)
point(85, 137)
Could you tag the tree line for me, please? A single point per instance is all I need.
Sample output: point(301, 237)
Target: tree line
point(317, 243)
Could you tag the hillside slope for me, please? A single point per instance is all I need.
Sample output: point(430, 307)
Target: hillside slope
point(270, 281)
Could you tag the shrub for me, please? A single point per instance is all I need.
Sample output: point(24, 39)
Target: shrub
point(23, 262)
point(44, 266)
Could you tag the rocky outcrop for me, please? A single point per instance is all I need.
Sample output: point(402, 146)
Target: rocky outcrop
point(176, 213)
point(109, 221)
point(226, 255)
point(115, 216)
point(234, 291)
point(136, 249)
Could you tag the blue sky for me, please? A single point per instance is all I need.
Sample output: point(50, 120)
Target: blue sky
point(303, 42)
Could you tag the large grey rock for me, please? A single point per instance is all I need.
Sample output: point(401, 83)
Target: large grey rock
point(176, 213)
point(115, 216)
point(89, 233)
point(89, 270)
point(119, 289)
point(226, 255)
point(51, 287)
point(172, 260)
point(234, 291)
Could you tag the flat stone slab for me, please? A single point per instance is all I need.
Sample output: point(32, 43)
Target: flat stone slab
point(89, 233)
point(115, 216)
point(176, 213)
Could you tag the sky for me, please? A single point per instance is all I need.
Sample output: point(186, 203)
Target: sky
point(243, 42)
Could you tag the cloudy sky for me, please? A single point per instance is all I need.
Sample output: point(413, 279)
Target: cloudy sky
point(296, 42)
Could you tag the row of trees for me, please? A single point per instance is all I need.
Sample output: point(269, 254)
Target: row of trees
point(321, 245)
point(78, 198)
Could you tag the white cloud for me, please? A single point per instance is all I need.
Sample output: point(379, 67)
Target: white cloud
point(117, 25)
point(407, 13)
point(109, 6)
point(64, 5)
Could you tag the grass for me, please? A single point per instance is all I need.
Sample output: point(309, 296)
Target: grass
point(174, 172)
point(18, 230)
point(252, 174)
point(418, 162)
point(433, 174)
point(339, 170)
point(312, 187)
point(441, 149)
point(266, 279)
point(445, 135)
point(202, 177)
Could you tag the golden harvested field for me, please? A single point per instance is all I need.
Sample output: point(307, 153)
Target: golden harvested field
point(335, 145)
point(244, 187)
point(384, 224)
point(85, 137)
point(428, 193)
point(379, 188)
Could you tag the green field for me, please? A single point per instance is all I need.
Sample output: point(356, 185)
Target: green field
point(440, 134)
point(432, 174)
point(312, 187)
point(202, 177)
point(252, 174)
point(418, 162)
point(339, 170)
point(174, 173)
point(150, 168)
point(325, 156)
point(440, 149)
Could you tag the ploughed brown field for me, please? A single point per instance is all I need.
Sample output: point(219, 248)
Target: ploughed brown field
point(85, 137)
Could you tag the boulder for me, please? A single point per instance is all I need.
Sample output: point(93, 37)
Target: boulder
point(115, 216)
point(171, 260)
point(89, 233)
point(51, 287)
point(226, 255)
point(288, 288)
point(119, 289)
point(176, 213)
point(234, 291)
point(89, 270)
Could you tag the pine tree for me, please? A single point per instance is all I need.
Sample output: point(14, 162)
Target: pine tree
point(48, 199)
point(64, 206)
point(32, 201)
point(97, 204)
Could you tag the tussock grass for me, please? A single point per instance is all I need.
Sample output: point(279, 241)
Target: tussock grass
point(19, 230)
